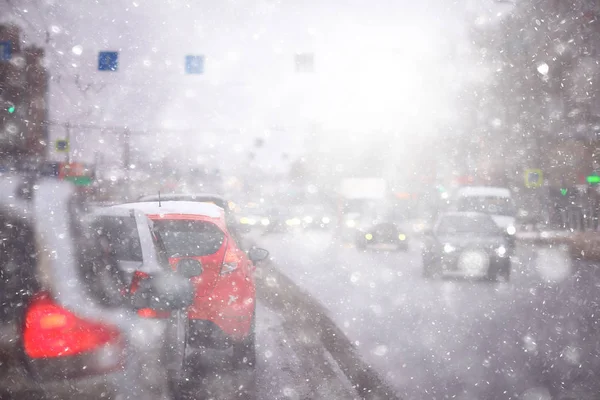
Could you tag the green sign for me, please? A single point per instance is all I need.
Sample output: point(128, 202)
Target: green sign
point(593, 179)
point(79, 180)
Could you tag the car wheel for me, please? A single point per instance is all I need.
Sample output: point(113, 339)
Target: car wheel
point(506, 270)
point(175, 352)
point(495, 270)
point(244, 352)
point(428, 272)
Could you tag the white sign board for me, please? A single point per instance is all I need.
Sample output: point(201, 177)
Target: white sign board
point(363, 188)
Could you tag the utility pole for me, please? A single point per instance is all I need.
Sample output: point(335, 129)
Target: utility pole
point(127, 158)
point(68, 138)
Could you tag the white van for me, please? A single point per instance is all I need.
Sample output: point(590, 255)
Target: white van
point(495, 201)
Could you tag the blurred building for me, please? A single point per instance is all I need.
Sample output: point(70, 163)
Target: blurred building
point(23, 100)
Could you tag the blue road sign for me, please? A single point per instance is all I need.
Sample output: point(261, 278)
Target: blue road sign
point(108, 61)
point(5, 51)
point(305, 62)
point(194, 64)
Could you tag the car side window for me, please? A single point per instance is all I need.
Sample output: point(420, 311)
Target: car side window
point(234, 234)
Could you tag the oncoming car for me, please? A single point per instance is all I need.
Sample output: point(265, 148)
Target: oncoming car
point(196, 237)
point(467, 244)
point(382, 235)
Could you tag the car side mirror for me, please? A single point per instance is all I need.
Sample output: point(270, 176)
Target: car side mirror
point(256, 254)
point(162, 292)
point(189, 268)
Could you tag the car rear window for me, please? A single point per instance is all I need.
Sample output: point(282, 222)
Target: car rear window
point(185, 238)
point(482, 224)
point(122, 236)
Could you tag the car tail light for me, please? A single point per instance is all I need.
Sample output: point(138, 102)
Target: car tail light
point(231, 261)
point(51, 331)
point(150, 313)
point(138, 276)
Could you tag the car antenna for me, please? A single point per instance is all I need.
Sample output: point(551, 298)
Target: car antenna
point(159, 199)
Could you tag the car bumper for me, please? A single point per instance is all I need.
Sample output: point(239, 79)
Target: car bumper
point(105, 386)
point(230, 312)
point(451, 265)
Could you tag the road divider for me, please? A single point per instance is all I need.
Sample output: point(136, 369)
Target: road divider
point(307, 318)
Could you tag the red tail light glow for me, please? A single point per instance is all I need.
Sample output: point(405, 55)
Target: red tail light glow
point(231, 261)
point(150, 313)
point(138, 276)
point(51, 331)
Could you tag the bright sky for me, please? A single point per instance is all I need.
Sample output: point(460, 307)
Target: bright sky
point(379, 64)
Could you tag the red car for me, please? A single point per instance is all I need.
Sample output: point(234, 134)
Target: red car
point(196, 237)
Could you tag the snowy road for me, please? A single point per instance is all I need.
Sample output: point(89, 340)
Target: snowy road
point(534, 337)
point(290, 366)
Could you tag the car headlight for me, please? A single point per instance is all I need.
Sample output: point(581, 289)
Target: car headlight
point(511, 230)
point(351, 223)
point(402, 237)
point(369, 236)
point(293, 222)
point(325, 220)
point(501, 251)
point(265, 221)
point(448, 248)
point(308, 219)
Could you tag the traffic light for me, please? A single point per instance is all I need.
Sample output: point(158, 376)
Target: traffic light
point(15, 138)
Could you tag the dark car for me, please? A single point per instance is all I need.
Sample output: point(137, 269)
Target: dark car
point(382, 235)
point(68, 329)
point(466, 244)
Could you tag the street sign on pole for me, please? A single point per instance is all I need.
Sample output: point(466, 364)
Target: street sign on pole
point(5, 51)
point(534, 178)
point(305, 62)
point(194, 64)
point(62, 145)
point(108, 61)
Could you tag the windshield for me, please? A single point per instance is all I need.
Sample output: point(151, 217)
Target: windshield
point(314, 123)
point(481, 225)
point(488, 205)
point(189, 238)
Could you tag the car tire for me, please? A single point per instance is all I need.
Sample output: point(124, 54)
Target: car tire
point(497, 270)
point(244, 352)
point(506, 267)
point(176, 354)
point(428, 272)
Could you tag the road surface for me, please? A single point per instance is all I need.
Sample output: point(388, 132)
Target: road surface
point(535, 337)
point(334, 322)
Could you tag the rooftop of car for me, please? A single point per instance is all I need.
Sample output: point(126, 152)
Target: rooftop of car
point(193, 197)
point(175, 207)
point(491, 191)
point(466, 214)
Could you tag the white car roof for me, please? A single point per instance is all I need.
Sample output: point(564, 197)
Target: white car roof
point(467, 214)
point(483, 191)
point(175, 207)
